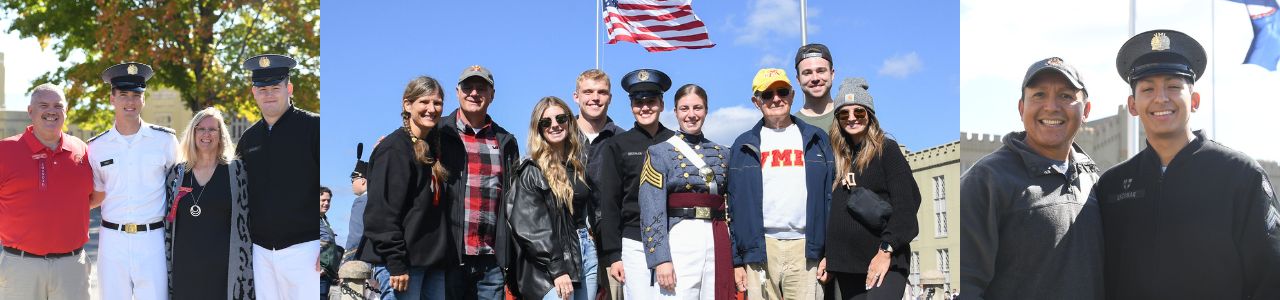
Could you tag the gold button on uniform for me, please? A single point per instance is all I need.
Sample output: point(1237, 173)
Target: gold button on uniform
point(651, 249)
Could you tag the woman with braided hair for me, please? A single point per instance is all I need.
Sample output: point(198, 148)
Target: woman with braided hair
point(405, 220)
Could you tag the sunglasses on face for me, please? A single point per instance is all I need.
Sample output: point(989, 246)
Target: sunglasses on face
point(472, 86)
point(560, 119)
point(858, 113)
point(768, 95)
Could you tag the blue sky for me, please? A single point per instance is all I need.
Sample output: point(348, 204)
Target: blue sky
point(908, 51)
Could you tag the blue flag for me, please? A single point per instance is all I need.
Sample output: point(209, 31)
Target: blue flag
point(1265, 50)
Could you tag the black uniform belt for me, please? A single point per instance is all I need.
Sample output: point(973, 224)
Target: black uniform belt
point(16, 251)
point(703, 213)
point(133, 228)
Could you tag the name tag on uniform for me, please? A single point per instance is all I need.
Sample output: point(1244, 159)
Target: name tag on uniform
point(634, 153)
point(106, 163)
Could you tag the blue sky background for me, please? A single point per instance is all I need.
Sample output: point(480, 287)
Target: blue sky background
point(908, 51)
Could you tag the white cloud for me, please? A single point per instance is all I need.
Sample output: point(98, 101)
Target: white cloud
point(767, 19)
point(769, 61)
point(722, 125)
point(902, 65)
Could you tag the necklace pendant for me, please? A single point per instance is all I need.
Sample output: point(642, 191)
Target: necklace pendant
point(195, 210)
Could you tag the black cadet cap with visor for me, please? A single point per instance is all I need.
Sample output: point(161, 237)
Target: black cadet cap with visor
point(129, 76)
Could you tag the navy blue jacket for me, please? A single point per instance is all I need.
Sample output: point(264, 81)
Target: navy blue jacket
point(746, 207)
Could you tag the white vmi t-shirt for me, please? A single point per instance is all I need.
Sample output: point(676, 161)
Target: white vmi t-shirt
point(782, 168)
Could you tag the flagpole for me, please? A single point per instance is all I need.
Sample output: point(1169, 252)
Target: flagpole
point(1213, 48)
point(804, 20)
point(1131, 145)
point(598, 19)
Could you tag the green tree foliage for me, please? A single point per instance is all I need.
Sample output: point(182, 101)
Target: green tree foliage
point(195, 47)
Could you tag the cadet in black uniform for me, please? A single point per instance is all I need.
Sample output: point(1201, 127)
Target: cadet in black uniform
point(619, 180)
point(1186, 218)
point(281, 152)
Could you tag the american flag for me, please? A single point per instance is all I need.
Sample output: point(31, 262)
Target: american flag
point(658, 25)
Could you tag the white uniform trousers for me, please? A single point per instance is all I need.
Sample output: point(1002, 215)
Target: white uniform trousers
point(694, 260)
point(132, 265)
point(636, 270)
point(288, 274)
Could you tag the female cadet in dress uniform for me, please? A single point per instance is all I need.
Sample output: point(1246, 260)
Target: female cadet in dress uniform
point(878, 258)
point(207, 232)
point(548, 183)
point(405, 219)
point(682, 189)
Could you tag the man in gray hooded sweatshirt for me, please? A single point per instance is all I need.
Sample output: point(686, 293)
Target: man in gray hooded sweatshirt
point(1028, 228)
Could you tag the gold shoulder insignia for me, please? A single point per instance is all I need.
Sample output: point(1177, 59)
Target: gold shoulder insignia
point(650, 175)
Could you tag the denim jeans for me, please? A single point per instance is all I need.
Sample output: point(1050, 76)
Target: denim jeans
point(383, 277)
point(480, 279)
point(587, 289)
point(424, 284)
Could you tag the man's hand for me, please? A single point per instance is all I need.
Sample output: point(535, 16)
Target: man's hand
point(822, 271)
point(615, 271)
point(740, 278)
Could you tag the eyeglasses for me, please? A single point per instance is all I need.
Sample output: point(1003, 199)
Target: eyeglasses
point(768, 95)
point(202, 130)
point(858, 113)
point(560, 119)
point(467, 87)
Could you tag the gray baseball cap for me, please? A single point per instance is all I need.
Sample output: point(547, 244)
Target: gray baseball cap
point(1054, 64)
point(854, 91)
point(476, 70)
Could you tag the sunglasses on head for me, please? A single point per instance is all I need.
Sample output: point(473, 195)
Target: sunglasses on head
point(767, 95)
point(858, 113)
point(560, 119)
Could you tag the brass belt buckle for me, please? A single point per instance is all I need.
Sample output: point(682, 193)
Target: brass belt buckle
point(702, 213)
point(131, 228)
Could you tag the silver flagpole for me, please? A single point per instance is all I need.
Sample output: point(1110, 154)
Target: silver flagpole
point(1131, 144)
point(599, 17)
point(1213, 49)
point(804, 20)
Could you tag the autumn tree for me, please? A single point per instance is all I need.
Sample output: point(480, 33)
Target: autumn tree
point(195, 47)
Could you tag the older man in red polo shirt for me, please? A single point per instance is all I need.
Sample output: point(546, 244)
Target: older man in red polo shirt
point(45, 184)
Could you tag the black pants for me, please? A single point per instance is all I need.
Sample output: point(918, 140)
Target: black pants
point(853, 286)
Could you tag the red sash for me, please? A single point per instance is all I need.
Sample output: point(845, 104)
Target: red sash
point(724, 287)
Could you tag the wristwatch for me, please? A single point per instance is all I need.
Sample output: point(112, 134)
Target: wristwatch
point(884, 246)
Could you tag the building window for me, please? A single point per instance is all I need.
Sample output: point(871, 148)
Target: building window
point(915, 263)
point(944, 266)
point(939, 207)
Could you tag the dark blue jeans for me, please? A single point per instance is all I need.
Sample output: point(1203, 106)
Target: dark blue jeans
point(479, 278)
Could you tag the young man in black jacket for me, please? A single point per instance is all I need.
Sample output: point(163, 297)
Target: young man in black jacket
point(1186, 218)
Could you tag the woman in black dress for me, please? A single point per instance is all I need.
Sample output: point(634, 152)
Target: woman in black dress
point(206, 233)
point(869, 262)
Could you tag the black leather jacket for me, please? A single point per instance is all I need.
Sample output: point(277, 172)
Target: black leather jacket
point(545, 236)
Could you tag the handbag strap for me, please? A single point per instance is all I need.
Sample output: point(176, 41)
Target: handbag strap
point(707, 174)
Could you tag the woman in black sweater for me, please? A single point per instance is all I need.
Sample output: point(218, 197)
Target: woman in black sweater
point(867, 262)
point(405, 220)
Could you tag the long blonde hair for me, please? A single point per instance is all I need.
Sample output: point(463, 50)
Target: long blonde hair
point(225, 152)
point(548, 159)
point(872, 146)
point(417, 88)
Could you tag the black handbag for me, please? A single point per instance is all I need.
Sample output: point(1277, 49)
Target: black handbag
point(867, 208)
